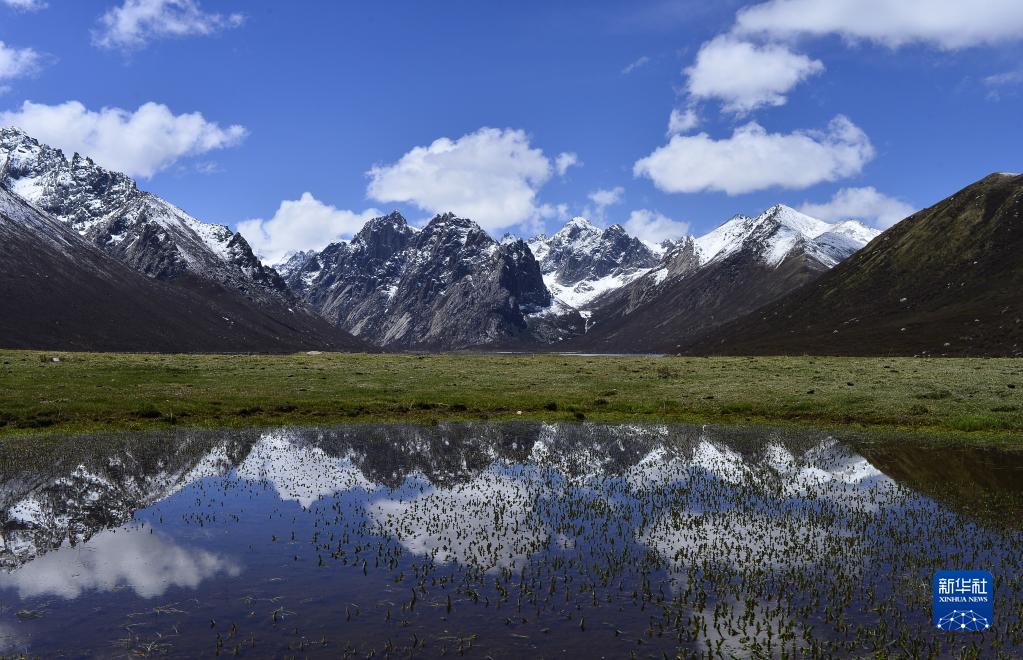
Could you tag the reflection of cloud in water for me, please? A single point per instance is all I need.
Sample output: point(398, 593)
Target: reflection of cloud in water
point(146, 562)
point(826, 469)
point(300, 473)
point(12, 641)
point(737, 537)
point(806, 518)
point(488, 521)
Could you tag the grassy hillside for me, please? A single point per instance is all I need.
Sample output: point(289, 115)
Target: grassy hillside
point(974, 398)
point(945, 281)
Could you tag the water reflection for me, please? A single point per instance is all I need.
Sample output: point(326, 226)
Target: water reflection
point(148, 563)
point(500, 539)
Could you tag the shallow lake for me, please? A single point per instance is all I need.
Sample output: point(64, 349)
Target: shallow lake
point(501, 540)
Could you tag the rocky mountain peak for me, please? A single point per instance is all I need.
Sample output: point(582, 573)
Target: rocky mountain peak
point(581, 251)
point(452, 233)
point(382, 237)
point(447, 285)
point(393, 221)
point(577, 227)
point(138, 228)
point(779, 232)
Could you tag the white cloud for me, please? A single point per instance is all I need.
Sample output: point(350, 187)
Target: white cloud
point(606, 197)
point(632, 66)
point(137, 22)
point(138, 143)
point(17, 62)
point(744, 75)
point(865, 204)
point(682, 121)
point(491, 176)
point(552, 211)
point(654, 227)
point(25, 5)
point(565, 160)
point(302, 224)
point(603, 198)
point(947, 24)
point(753, 159)
point(1004, 78)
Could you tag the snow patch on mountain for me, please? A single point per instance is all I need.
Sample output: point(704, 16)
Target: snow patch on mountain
point(582, 262)
point(580, 294)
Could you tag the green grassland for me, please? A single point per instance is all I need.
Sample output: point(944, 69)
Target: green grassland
point(978, 399)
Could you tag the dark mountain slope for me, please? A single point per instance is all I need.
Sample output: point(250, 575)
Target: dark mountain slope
point(948, 280)
point(58, 291)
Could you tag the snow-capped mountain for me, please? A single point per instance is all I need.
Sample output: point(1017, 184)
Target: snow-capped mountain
point(779, 231)
point(449, 285)
point(61, 290)
point(138, 228)
point(581, 262)
point(701, 283)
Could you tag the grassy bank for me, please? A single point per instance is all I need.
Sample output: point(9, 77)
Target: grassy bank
point(975, 398)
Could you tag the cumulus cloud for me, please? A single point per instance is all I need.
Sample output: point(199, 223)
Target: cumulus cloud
point(753, 159)
point(654, 227)
point(17, 62)
point(305, 223)
point(745, 76)
point(134, 24)
point(139, 143)
point(491, 176)
point(565, 160)
point(25, 5)
point(603, 198)
point(682, 121)
point(947, 24)
point(866, 204)
point(635, 64)
point(606, 196)
point(552, 211)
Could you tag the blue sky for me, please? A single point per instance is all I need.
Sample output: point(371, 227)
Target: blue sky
point(774, 103)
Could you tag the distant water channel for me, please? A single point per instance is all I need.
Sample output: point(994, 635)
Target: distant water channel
point(501, 540)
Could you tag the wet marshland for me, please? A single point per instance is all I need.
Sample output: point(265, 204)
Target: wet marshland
point(501, 540)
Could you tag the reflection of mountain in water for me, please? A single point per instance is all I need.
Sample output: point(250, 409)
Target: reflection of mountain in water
point(408, 471)
point(76, 494)
point(712, 536)
point(457, 466)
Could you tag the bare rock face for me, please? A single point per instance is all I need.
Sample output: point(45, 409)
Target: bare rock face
point(580, 251)
point(447, 286)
